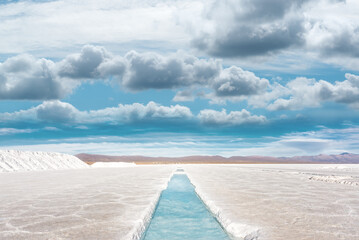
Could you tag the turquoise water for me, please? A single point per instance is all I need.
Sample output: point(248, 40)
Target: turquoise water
point(181, 215)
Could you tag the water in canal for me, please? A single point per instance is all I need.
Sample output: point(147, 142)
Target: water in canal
point(181, 215)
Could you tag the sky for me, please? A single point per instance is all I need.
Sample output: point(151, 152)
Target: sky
point(178, 78)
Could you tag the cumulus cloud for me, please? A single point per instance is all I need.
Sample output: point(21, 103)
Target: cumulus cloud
point(234, 81)
point(275, 90)
point(323, 30)
point(342, 43)
point(333, 32)
point(236, 85)
point(150, 70)
point(61, 112)
point(251, 28)
point(233, 118)
point(84, 65)
point(57, 112)
point(140, 71)
point(137, 112)
point(25, 77)
point(115, 66)
point(304, 92)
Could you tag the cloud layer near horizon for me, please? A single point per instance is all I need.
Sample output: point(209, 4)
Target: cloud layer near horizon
point(65, 113)
point(330, 141)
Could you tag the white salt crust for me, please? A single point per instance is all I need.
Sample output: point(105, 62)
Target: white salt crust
point(278, 201)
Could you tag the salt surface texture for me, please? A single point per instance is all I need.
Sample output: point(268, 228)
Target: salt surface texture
point(99, 203)
point(281, 201)
point(112, 164)
point(15, 161)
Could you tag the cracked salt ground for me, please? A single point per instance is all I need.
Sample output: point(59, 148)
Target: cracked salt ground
point(80, 204)
point(277, 202)
point(181, 215)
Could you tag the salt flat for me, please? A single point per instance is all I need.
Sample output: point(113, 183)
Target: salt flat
point(251, 201)
point(100, 203)
point(281, 201)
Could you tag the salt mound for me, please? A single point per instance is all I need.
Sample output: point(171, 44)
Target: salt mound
point(16, 161)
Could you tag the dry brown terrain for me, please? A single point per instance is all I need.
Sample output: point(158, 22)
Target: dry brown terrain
point(341, 158)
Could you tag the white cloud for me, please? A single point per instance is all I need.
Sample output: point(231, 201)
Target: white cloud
point(25, 77)
point(58, 25)
point(84, 65)
point(138, 112)
point(333, 32)
point(327, 141)
point(56, 111)
point(323, 141)
point(304, 92)
point(51, 129)
point(297, 94)
point(61, 112)
point(65, 113)
point(233, 118)
point(251, 28)
point(308, 144)
point(234, 81)
point(150, 70)
point(11, 131)
point(275, 90)
point(184, 96)
point(154, 149)
point(324, 30)
point(257, 31)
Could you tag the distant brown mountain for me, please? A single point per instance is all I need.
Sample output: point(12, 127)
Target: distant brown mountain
point(341, 158)
point(323, 158)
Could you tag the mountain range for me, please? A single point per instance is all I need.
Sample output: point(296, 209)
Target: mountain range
point(322, 158)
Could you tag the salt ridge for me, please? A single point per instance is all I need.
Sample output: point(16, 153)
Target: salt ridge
point(19, 161)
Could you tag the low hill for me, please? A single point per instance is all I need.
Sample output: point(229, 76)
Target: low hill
point(341, 158)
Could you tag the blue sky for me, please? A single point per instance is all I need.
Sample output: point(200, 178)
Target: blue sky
point(176, 78)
